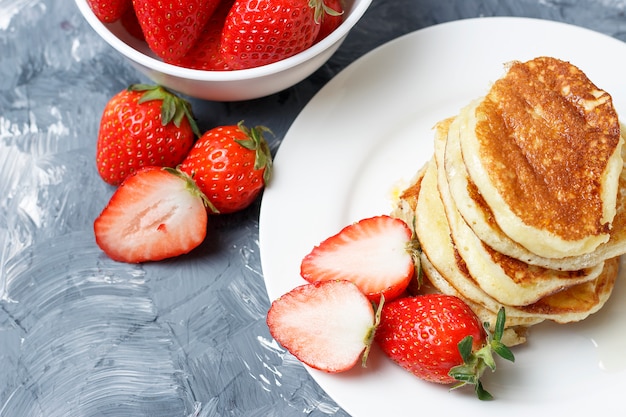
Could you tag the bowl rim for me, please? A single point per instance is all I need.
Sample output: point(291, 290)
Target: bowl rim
point(358, 8)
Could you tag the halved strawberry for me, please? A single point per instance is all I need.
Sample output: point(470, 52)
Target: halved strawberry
point(155, 214)
point(327, 325)
point(374, 253)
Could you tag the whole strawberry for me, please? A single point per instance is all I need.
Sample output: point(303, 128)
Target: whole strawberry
point(231, 165)
point(330, 19)
point(144, 125)
point(171, 27)
point(206, 55)
point(131, 24)
point(260, 32)
point(439, 339)
point(109, 11)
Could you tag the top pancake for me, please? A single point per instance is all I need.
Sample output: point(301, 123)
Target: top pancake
point(480, 218)
point(507, 280)
point(544, 150)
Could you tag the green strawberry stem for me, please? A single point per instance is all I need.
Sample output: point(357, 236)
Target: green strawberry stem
point(256, 142)
point(173, 109)
point(320, 8)
point(415, 249)
point(192, 187)
point(475, 363)
point(369, 339)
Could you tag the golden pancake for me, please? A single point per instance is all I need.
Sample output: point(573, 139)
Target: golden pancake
point(478, 215)
point(544, 150)
point(578, 302)
point(507, 280)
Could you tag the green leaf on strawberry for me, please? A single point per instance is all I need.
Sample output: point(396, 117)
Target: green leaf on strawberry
point(143, 125)
point(329, 16)
point(255, 141)
point(320, 9)
point(173, 108)
point(475, 363)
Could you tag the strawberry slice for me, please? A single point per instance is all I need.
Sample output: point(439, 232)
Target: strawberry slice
point(328, 325)
point(155, 214)
point(374, 253)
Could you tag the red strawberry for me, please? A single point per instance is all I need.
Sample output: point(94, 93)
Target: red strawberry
point(327, 325)
point(143, 126)
point(260, 32)
point(131, 24)
point(374, 253)
point(109, 11)
point(231, 165)
point(439, 339)
point(330, 19)
point(205, 54)
point(171, 27)
point(155, 214)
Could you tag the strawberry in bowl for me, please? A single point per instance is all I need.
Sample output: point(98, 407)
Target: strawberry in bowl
point(326, 29)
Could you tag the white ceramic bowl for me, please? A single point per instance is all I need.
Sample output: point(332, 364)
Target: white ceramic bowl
point(226, 85)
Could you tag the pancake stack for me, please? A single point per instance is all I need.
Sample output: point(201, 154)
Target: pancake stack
point(523, 204)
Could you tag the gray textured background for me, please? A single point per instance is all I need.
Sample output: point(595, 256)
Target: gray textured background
point(81, 335)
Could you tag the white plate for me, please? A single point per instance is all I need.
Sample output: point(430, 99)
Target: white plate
point(364, 135)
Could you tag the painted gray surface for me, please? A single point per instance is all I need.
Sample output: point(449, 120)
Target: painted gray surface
point(81, 335)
